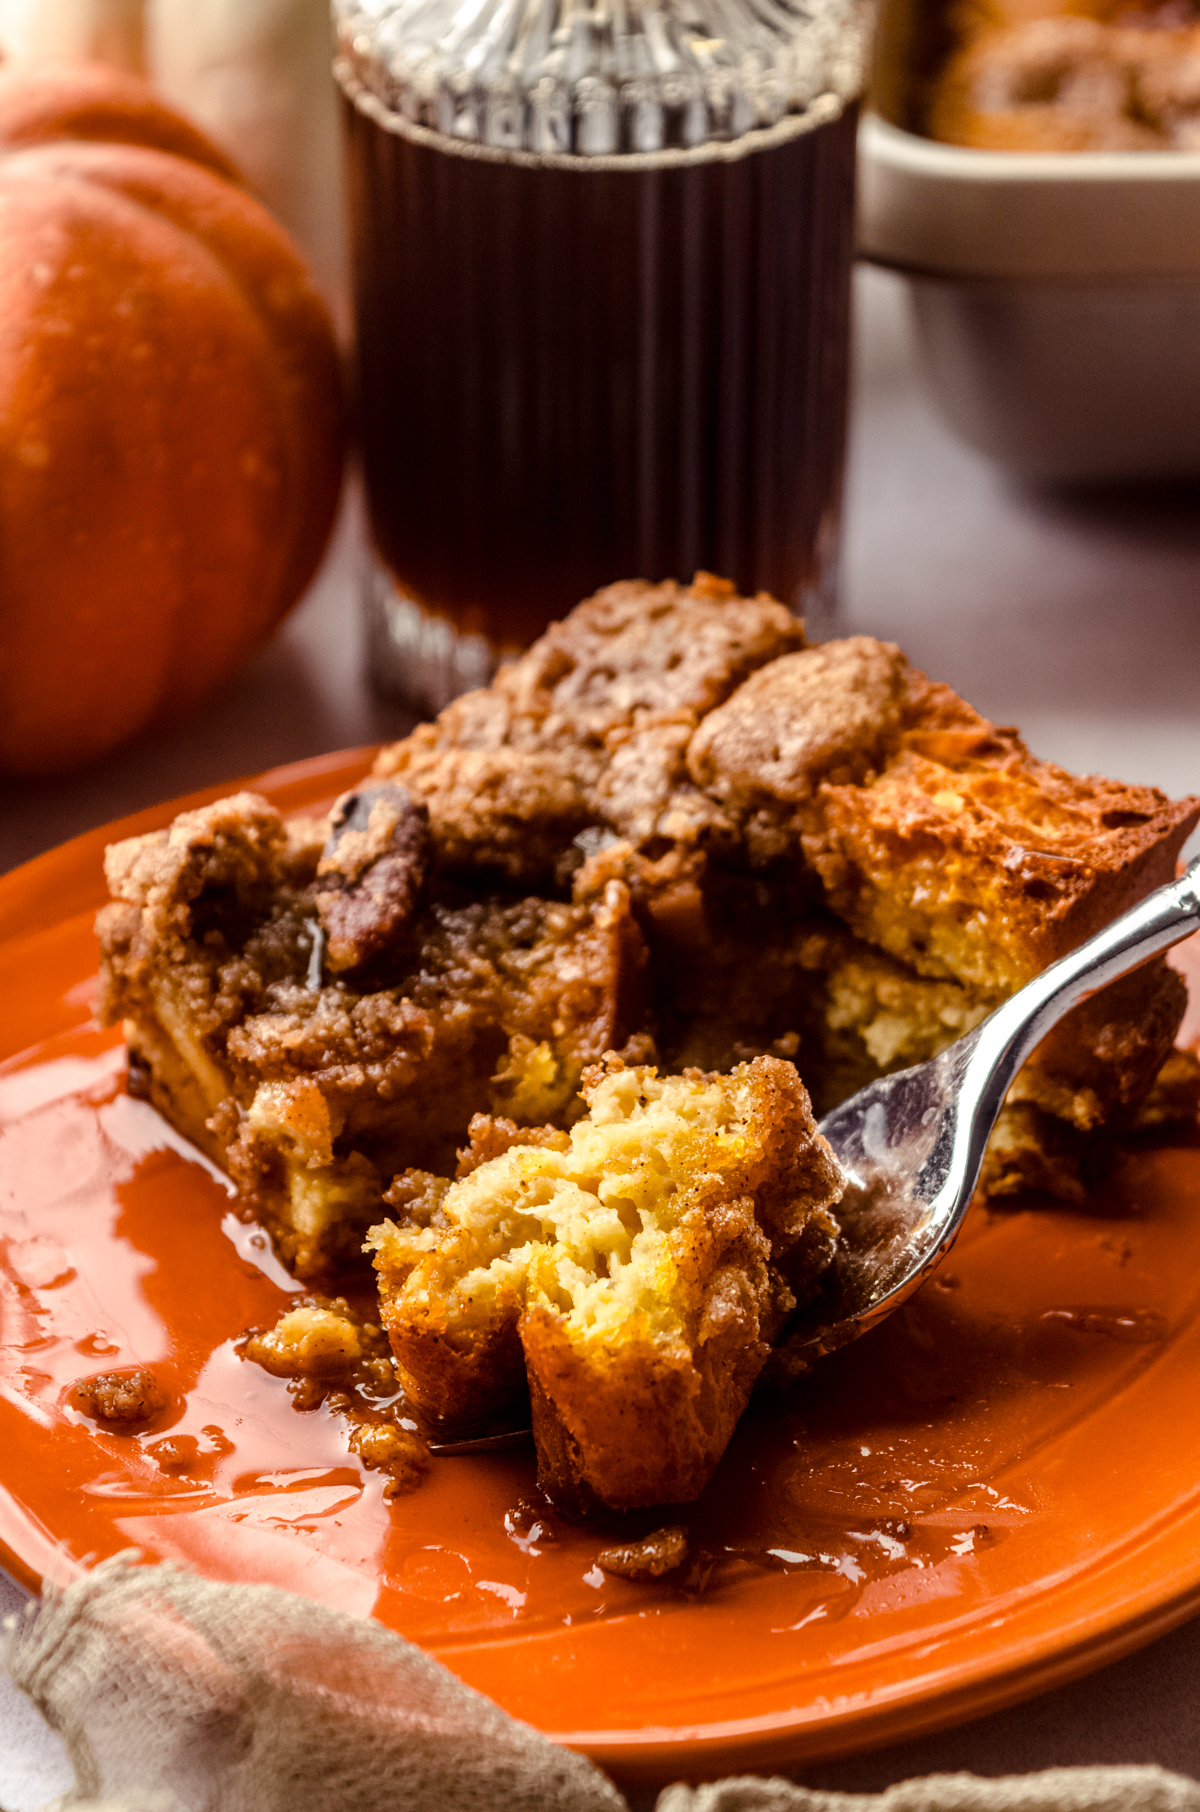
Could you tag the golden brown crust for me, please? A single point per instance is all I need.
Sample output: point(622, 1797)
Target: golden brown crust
point(936, 834)
point(628, 1422)
point(491, 1135)
point(969, 858)
point(945, 845)
point(461, 1373)
point(459, 1386)
point(591, 725)
point(635, 1426)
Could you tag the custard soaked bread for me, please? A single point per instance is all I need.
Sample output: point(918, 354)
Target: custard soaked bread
point(946, 847)
point(670, 820)
point(635, 1271)
point(266, 1019)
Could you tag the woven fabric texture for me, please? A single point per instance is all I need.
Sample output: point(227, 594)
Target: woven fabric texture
point(174, 1694)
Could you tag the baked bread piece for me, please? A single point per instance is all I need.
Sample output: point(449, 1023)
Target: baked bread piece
point(638, 1268)
point(936, 835)
point(968, 858)
point(830, 858)
point(963, 864)
point(313, 1085)
point(1071, 83)
point(846, 751)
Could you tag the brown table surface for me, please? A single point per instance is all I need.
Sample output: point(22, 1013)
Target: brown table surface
point(1074, 615)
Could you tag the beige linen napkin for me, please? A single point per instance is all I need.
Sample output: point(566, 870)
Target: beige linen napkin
point(173, 1694)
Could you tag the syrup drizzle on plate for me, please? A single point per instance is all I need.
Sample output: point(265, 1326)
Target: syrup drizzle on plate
point(880, 1472)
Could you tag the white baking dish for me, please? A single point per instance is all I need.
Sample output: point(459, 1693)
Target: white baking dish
point(1057, 297)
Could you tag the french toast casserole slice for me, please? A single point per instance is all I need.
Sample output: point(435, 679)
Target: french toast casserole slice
point(670, 822)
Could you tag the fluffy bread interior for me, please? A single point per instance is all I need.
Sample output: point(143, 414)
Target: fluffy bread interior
point(662, 1225)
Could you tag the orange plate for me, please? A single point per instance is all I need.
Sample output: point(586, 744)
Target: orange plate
point(990, 1494)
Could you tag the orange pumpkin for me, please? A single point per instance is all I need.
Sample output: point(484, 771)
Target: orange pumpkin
point(171, 416)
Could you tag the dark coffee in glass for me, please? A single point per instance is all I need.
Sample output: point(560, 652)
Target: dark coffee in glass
point(618, 354)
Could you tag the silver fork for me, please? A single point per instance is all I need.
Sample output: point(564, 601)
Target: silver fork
point(911, 1144)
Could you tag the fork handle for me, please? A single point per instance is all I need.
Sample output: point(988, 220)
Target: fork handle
point(1163, 918)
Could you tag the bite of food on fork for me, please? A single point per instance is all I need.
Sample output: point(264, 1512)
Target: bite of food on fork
point(591, 941)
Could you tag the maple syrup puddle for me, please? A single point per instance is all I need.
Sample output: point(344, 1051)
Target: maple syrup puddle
point(880, 1475)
